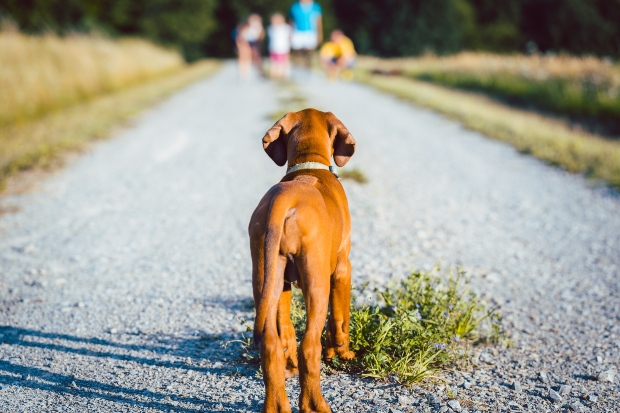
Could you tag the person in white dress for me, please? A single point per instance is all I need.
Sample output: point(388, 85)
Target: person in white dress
point(279, 33)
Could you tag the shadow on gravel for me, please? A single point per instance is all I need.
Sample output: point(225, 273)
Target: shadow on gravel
point(167, 346)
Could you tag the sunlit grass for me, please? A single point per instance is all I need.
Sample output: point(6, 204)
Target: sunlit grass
point(39, 74)
point(415, 329)
point(580, 86)
point(354, 174)
point(545, 138)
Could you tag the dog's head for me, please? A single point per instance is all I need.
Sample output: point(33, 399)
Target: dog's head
point(309, 136)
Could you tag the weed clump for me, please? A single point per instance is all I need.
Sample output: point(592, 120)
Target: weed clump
point(411, 331)
point(354, 174)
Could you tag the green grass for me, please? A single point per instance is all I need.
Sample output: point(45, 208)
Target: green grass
point(291, 101)
point(415, 329)
point(548, 139)
point(40, 141)
point(587, 89)
point(561, 95)
point(354, 174)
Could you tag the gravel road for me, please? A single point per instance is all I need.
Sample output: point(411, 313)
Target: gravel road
point(123, 275)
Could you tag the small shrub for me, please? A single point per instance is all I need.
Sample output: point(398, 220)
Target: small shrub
point(354, 174)
point(414, 329)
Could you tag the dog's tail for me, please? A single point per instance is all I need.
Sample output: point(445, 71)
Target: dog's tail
point(273, 283)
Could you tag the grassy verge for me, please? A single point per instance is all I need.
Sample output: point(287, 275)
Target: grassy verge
point(547, 139)
point(415, 329)
point(38, 141)
point(40, 74)
point(354, 174)
point(565, 85)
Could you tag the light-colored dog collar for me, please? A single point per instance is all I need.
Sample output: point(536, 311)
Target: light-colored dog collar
point(312, 165)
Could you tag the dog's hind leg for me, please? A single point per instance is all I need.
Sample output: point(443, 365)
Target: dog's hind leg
point(272, 354)
point(315, 285)
point(340, 311)
point(286, 330)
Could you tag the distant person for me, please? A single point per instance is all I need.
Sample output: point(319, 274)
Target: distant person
point(338, 56)
point(254, 34)
point(307, 22)
point(279, 33)
point(244, 51)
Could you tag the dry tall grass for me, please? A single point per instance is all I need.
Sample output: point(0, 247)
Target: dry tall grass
point(536, 67)
point(582, 86)
point(42, 73)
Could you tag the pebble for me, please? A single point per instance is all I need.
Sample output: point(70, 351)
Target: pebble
point(554, 396)
point(466, 384)
point(517, 387)
point(432, 399)
point(404, 400)
point(514, 406)
point(606, 376)
point(576, 407)
point(454, 405)
point(543, 376)
point(486, 357)
point(592, 397)
point(564, 390)
point(391, 410)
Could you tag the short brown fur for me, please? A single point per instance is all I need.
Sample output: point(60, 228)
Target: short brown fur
point(300, 234)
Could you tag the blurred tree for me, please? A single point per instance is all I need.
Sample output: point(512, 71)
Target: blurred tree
point(575, 26)
point(181, 23)
point(496, 27)
point(401, 27)
point(186, 23)
point(386, 28)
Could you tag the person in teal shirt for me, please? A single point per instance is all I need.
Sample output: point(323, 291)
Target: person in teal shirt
point(307, 22)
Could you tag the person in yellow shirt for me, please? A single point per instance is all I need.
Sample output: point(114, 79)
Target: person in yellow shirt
point(338, 55)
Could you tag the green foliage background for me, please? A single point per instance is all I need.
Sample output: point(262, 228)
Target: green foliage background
point(383, 28)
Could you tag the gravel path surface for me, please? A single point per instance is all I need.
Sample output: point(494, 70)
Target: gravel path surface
point(122, 278)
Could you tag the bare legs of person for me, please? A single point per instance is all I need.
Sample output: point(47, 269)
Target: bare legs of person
point(302, 60)
point(244, 54)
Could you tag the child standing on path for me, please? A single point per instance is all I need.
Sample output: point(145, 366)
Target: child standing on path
point(279, 47)
point(307, 21)
point(254, 35)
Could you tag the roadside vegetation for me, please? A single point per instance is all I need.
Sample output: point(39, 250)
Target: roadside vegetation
point(43, 73)
point(415, 329)
point(354, 174)
point(547, 138)
point(59, 93)
point(581, 87)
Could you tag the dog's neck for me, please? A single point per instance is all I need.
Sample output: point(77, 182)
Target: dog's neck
point(312, 165)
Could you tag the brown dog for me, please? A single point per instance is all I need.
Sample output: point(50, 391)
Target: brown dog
point(300, 234)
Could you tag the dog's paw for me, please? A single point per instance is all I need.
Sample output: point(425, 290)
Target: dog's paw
point(346, 355)
point(315, 407)
point(342, 354)
point(330, 352)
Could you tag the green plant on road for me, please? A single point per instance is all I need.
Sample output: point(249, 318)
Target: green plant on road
point(414, 329)
point(354, 174)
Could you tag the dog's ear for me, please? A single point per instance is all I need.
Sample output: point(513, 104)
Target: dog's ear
point(274, 141)
point(343, 142)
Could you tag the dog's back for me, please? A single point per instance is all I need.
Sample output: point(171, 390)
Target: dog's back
point(300, 232)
